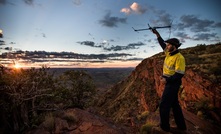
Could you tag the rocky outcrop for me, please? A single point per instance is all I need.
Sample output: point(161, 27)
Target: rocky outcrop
point(133, 95)
point(142, 90)
point(77, 121)
point(135, 100)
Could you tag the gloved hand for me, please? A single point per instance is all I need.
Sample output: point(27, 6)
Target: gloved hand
point(155, 31)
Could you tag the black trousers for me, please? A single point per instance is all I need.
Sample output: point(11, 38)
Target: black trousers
point(170, 100)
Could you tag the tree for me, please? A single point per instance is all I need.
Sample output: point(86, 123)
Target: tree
point(77, 87)
point(26, 94)
point(23, 91)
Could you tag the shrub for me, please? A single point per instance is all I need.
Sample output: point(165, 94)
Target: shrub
point(70, 117)
point(146, 128)
point(202, 104)
point(76, 87)
point(143, 115)
point(27, 94)
point(200, 114)
point(49, 123)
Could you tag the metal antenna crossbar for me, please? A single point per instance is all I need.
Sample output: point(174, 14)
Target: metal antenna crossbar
point(150, 28)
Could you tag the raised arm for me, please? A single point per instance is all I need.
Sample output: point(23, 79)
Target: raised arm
point(159, 38)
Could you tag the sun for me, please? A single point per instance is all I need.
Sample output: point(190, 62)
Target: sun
point(17, 66)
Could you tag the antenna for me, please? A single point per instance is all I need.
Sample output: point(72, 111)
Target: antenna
point(170, 28)
point(151, 28)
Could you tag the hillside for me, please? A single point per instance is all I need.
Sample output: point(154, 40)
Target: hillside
point(135, 100)
point(48, 104)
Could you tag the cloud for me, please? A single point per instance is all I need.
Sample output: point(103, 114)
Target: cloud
point(109, 21)
point(126, 10)
point(112, 40)
point(217, 25)
point(8, 48)
point(87, 43)
point(105, 43)
point(136, 44)
point(2, 42)
point(3, 2)
point(12, 43)
point(200, 27)
point(161, 17)
point(128, 47)
point(43, 56)
point(195, 24)
point(182, 35)
point(198, 37)
point(43, 35)
point(165, 19)
point(205, 36)
point(29, 2)
point(76, 2)
point(137, 8)
point(134, 8)
point(90, 43)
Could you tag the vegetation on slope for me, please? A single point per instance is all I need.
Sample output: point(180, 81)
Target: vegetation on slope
point(203, 62)
point(26, 96)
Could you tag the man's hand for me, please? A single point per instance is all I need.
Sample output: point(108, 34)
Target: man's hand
point(156, 32)
point(163, 80)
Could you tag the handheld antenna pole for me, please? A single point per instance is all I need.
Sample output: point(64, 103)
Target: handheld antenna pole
point(151, 28)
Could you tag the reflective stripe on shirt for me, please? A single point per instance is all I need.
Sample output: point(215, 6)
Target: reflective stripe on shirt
point(173, 63)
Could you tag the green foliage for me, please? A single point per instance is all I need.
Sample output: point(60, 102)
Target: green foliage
point(143, 115)
point(200, 114)
point(26, 94)
point(204, 108)
point(203, 104)
point(77, 88)
point(146, 128)
point(205, 59)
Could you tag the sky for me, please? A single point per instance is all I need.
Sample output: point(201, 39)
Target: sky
point(99, 33)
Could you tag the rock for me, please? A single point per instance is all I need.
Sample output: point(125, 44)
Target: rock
point(38, 131)
point(85, 123)
point(142, 90)
point(85, 126)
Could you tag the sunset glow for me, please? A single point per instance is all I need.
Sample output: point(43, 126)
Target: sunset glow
point(36, 33)
point(17, 66)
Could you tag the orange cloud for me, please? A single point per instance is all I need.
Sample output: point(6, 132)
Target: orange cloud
point(126, 10)
point(135, 7)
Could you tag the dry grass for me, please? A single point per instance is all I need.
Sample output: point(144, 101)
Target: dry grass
point(146, 128)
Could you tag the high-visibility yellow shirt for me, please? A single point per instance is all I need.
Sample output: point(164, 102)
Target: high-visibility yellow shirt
point(173, 64)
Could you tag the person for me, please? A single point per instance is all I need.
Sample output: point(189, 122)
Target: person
point(173, 71)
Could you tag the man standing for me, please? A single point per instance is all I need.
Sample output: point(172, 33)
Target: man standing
point(173, 71)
